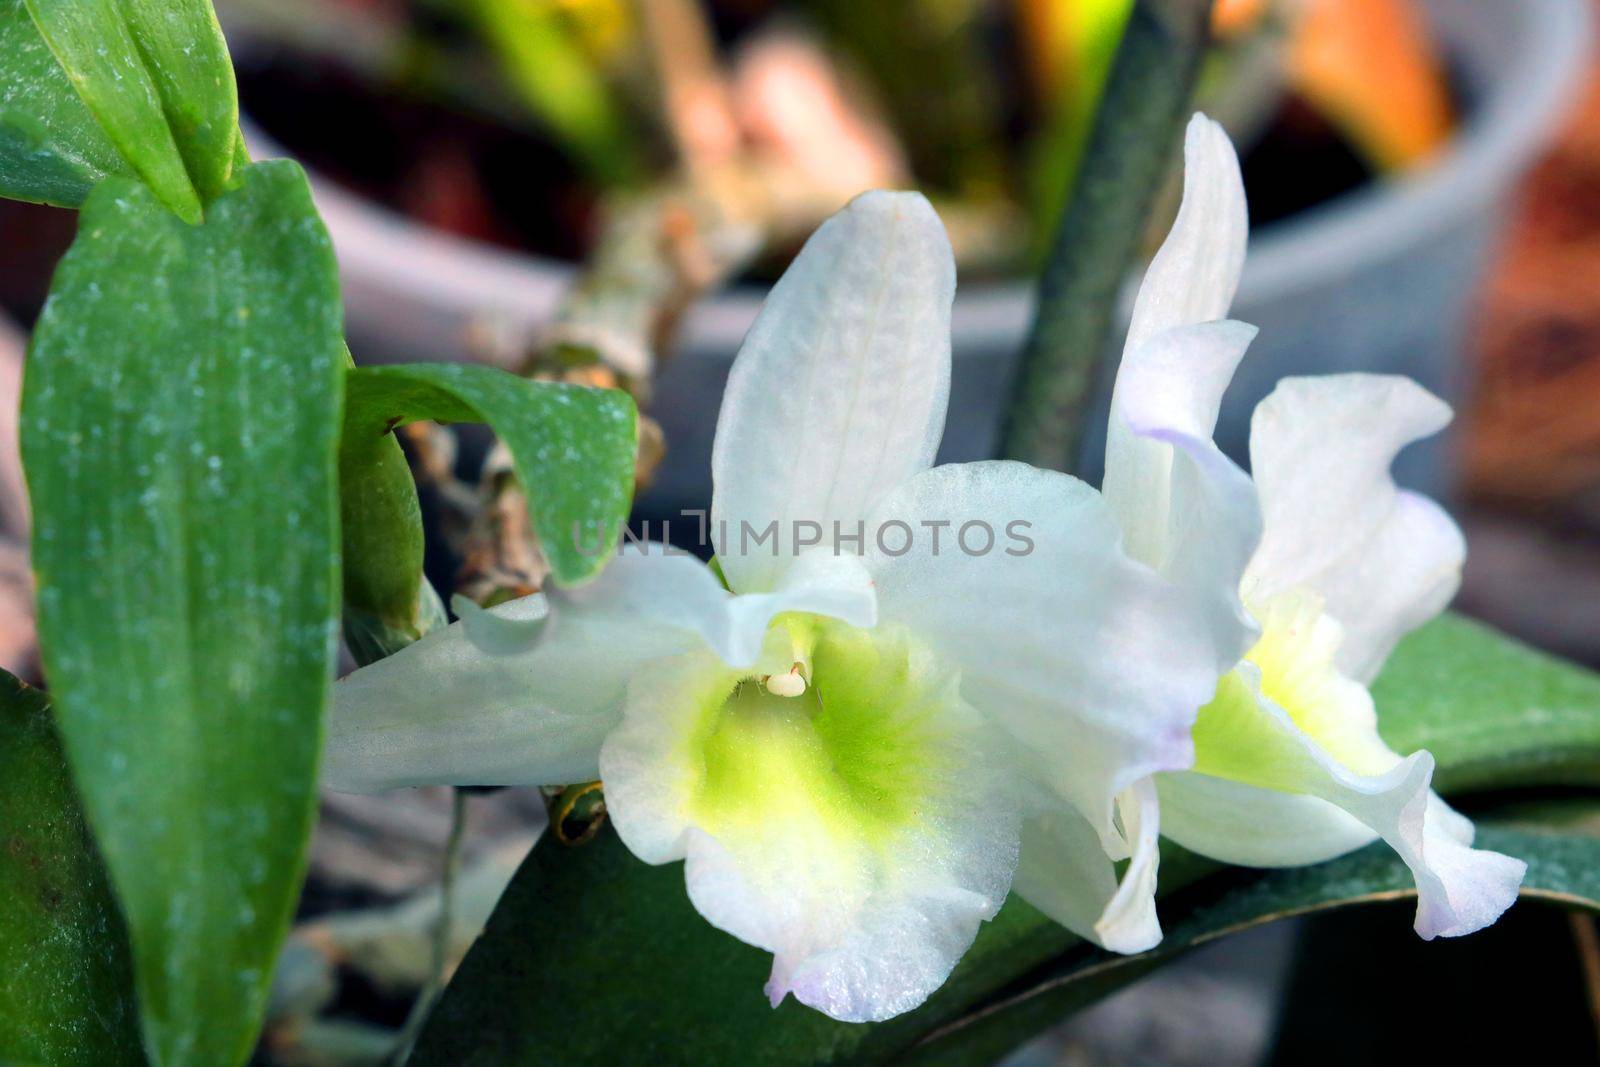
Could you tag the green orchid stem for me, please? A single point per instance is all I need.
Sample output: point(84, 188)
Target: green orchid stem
point(1137, 128)
point(442, 931)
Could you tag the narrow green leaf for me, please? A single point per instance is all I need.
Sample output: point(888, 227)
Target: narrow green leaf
point(52, 151)
point(66, 985)
point(157, 77)
point(573, 447)
point(180, 426)
point(183, 49)
point(590, 950)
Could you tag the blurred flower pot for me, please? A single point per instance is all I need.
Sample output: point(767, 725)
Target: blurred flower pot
point(1375, 280)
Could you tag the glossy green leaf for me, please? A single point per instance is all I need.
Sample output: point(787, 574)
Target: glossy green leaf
point(602, 957)
point(1494, 712)
point(592, 957)
point(181, 415)
point(66, 984)
point(1562, 870)
point(157, 77)
point(617, 933)
point(52, 151)
point(573, 447)
point(183, 48)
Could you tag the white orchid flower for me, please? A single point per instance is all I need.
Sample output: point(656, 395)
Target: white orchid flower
point(1290, 768)
point(817, 739)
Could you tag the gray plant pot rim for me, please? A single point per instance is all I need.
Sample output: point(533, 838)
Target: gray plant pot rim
point(1378, 222)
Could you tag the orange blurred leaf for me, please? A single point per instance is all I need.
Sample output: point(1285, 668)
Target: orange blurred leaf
point(1232, 17)
point(1371, 68)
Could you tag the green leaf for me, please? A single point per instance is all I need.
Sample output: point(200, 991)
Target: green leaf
point(625, 971)
point(183, 48)
point(593, 952)
point(180, 425)
point(656, 984)
point(1562, 870)
point(1495, 713)
point(52, 151)
point(602, 957)
point(573, 447)
point(388, 602)
point(66, 985)
point(1524, 975)
point(157, 77)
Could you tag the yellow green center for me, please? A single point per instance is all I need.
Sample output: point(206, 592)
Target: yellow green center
point(1295, 661)
point(859, 751)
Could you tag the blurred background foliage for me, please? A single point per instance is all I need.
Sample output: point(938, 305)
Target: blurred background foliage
point(513, 120)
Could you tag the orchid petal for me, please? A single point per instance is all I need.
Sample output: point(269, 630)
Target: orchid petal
point(1255, 827)
point(524, 693)
point(1186, 510)
point(497, 632)
point(1246, 737)
point(1451, 821)
point(860, 833)
point(1129, 923)
point(1385, 560)
point(839, 392)
point(1063, 870)
point(1196, 272)
point(1073, 648)
point(659, 590)
point(1065, 873)
point(443, 712)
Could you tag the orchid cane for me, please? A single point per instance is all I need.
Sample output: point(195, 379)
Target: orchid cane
point(817, 739)
point(1290, 768)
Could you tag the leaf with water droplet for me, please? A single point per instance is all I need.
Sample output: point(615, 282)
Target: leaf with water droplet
point(573, 446)
point(156, 77)
point(188, 581)
point(52, 151)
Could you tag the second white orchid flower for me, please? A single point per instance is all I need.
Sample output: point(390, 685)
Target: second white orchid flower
point(841, 742)
point(1290, 767)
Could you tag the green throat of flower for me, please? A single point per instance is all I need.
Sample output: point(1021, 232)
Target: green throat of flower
point(849, 741)
point(1293, 666)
